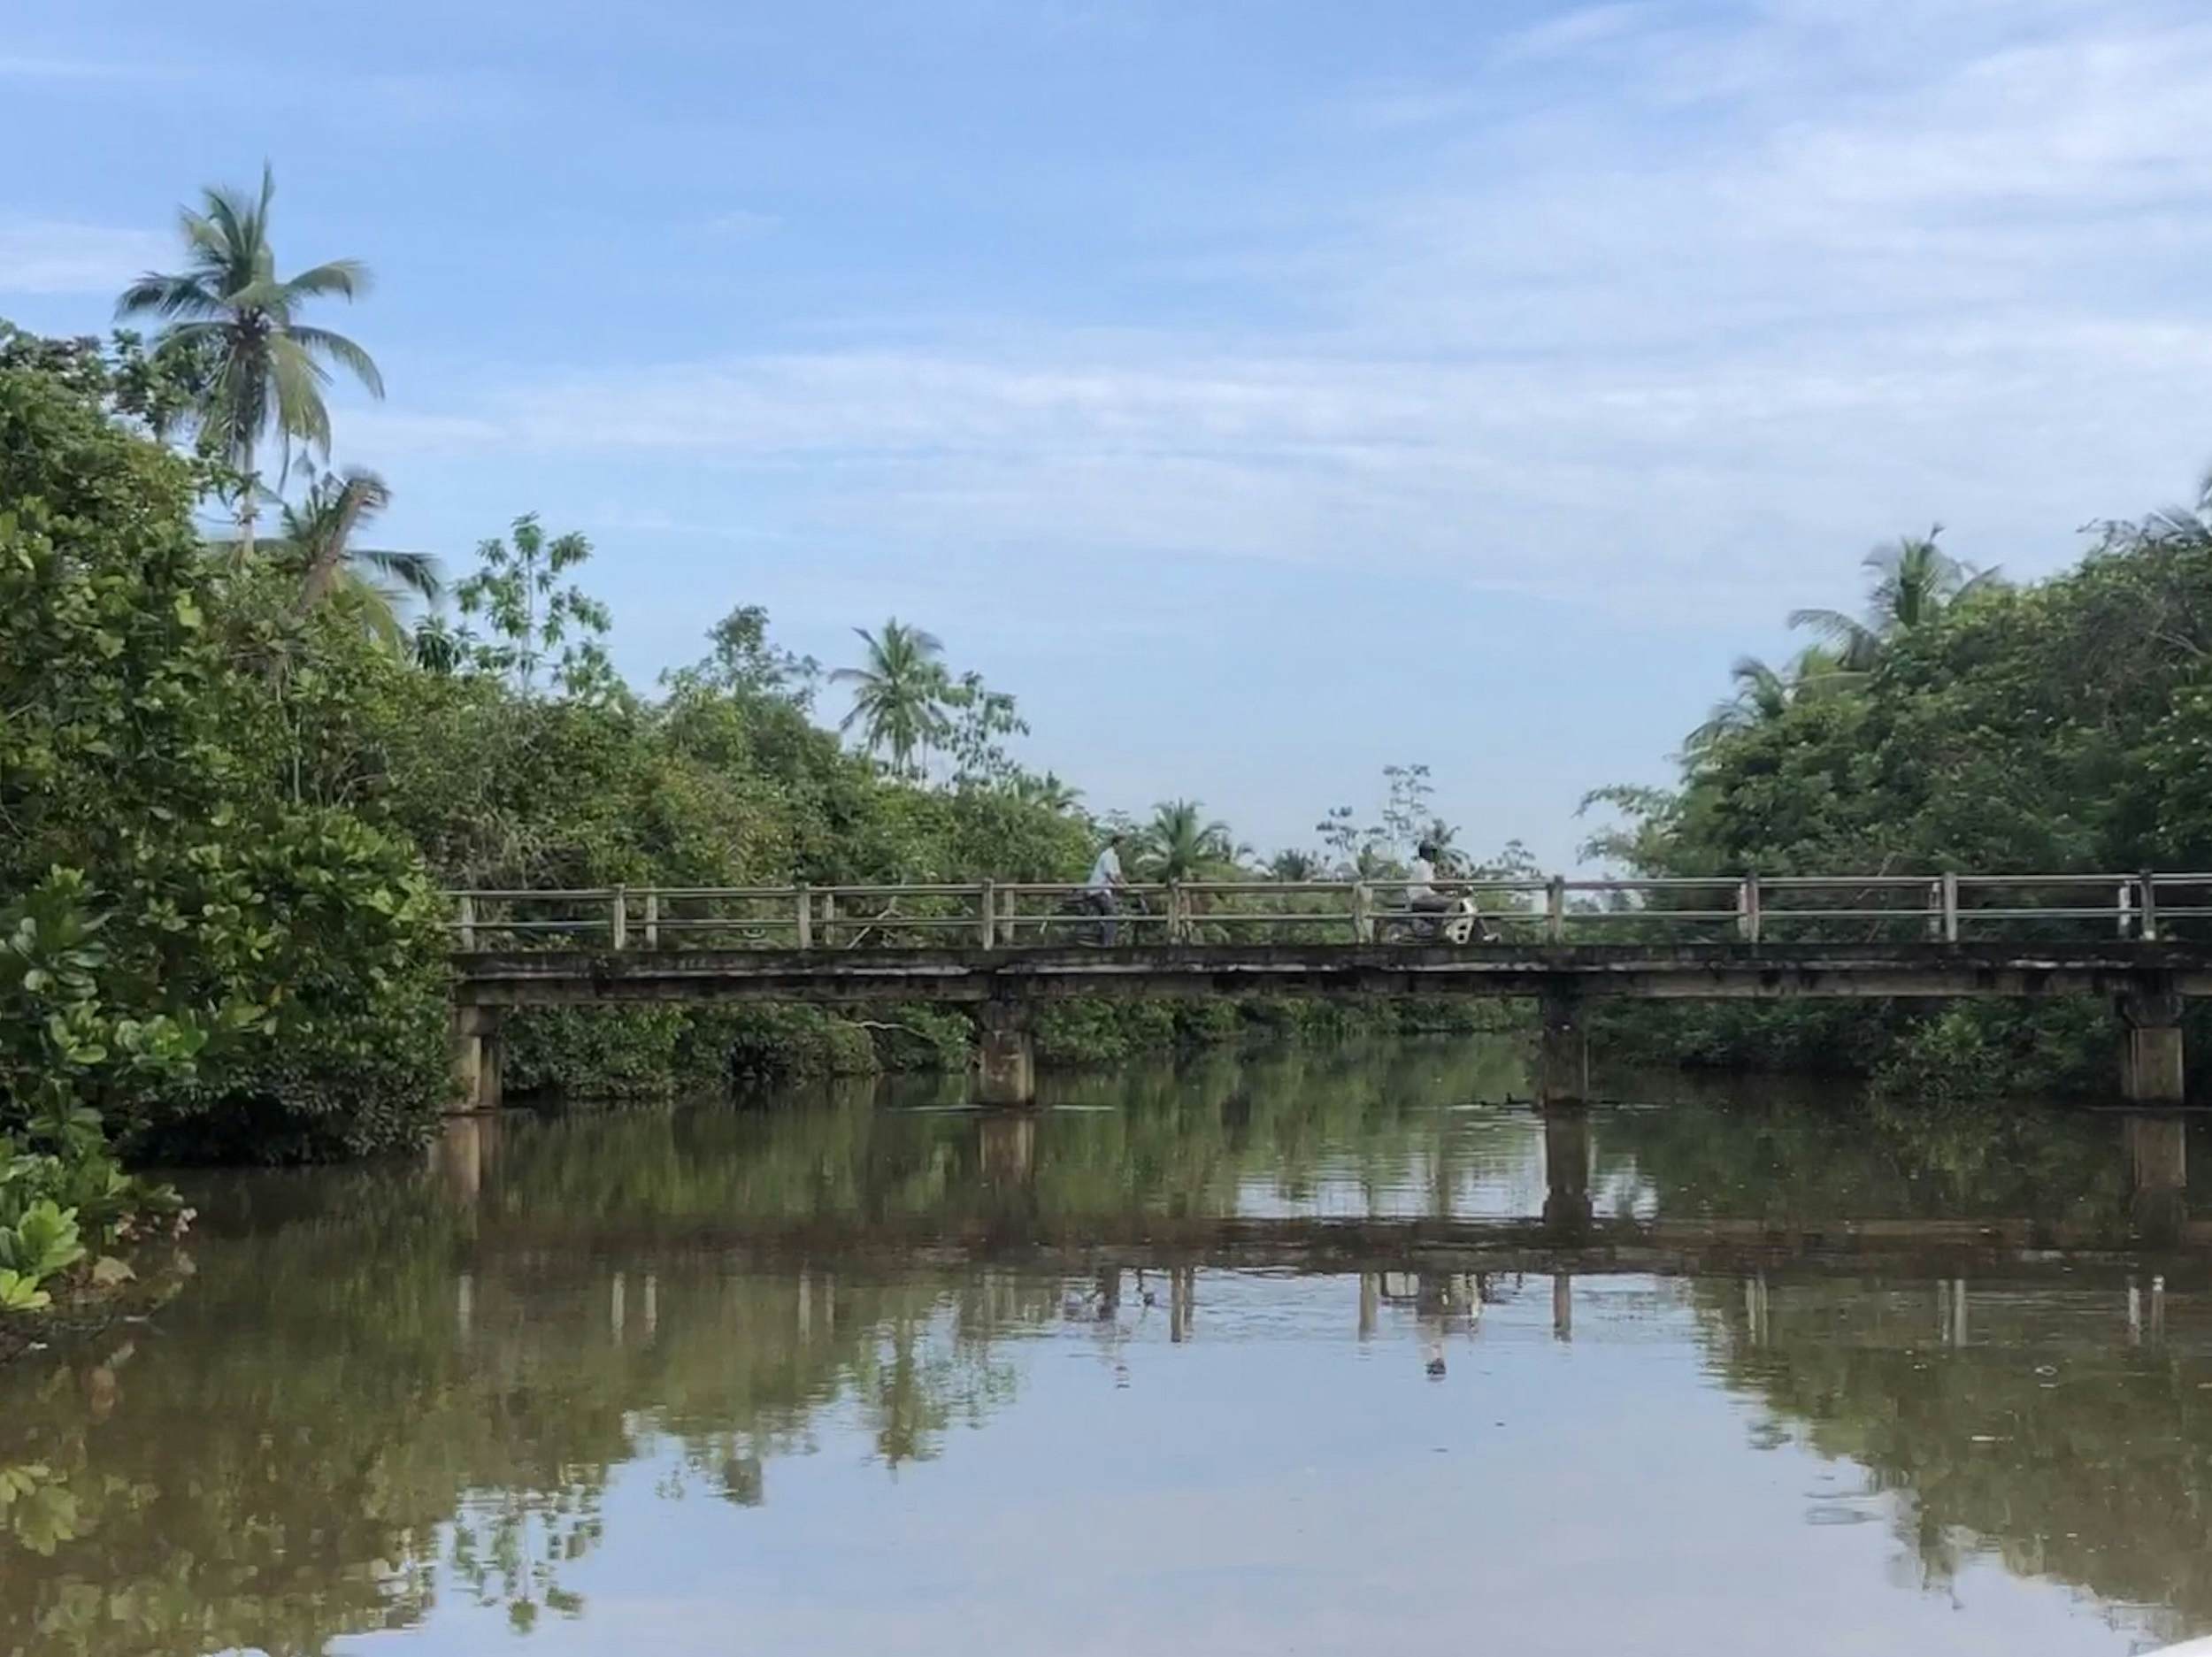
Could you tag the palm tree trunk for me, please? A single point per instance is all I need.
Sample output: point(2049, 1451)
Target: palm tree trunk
point(315, 584)
point(248, 504)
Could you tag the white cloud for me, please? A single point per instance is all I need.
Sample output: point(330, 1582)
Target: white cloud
point(1910, 261)
point(53, 257)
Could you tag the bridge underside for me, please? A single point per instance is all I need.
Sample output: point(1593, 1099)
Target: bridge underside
point(2147, 982)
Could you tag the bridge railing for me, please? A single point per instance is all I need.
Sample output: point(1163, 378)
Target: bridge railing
point(1794, 908)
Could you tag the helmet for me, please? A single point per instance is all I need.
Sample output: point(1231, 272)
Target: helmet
point(1425, 851)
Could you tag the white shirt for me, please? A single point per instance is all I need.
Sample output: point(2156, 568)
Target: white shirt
point(1105, 872)
point(1424, 872)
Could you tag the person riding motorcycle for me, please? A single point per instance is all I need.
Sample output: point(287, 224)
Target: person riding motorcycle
point(1421, 897)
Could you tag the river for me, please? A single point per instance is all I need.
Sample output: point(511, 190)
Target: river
point(1309, 1353)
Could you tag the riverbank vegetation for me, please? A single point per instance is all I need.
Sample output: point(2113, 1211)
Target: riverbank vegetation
point(1962, 724)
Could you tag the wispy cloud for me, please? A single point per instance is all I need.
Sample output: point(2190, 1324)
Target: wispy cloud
point(27, 66)
point(1573, 32)
point(52, 257)
point(741, 223)
point(1669, 485)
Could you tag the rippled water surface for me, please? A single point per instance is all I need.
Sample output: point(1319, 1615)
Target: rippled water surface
point(1332, 1354)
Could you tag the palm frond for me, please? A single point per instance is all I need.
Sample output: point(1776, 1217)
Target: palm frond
point(1979, 584)
point(298, 381)
point(172, 295)
point(416, 573)
point(1831, 624)
point(344, 352)
point(344, 279)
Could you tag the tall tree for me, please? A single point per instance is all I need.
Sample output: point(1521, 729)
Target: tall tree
point(260, 370)
point(1914, 582)
point(898, 693)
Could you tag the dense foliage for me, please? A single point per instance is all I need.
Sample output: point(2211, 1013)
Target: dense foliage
point(2060, 727)
point(212, 955)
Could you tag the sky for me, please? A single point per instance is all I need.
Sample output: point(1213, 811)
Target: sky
point(1264, 393)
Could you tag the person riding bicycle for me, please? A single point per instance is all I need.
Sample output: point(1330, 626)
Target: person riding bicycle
point(1102, 892)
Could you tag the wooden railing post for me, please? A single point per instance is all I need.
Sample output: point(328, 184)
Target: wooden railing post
point(987, 912)
point(829, 920)
point(1748, 910)
point(1556, 910)
point(806, 916)
point(2146, 906)
point(1175, 914)
point(1363, 913)
point(1009, 908)
point(1950, 885)
point(652, 920)
point(618, 919)
point(468, 920)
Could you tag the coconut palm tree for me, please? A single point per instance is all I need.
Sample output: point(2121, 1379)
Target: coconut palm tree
point(1294, 868)
point(317, 543)
point(1181, 844)
point(1915, 581)
point(263, 370)
point(897, 694)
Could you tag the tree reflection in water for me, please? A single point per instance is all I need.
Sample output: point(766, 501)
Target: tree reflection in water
point(394, 1388)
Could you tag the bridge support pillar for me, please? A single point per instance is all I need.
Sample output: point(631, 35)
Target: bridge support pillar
point(478, 1060)
point(2151, 1069)
point(1006, 1058)
point(2158, 1176)
point(1567, 1167)
point(1563, 1051)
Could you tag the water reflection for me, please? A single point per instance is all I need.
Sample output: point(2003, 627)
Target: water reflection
point(506, 1389)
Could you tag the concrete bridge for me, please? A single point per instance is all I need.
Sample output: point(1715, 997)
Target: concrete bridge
point(2142, 943)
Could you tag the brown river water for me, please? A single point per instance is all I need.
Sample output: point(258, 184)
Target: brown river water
point(1326, 1352)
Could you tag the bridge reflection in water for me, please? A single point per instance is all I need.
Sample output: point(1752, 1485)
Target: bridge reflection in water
point(1443, 1261)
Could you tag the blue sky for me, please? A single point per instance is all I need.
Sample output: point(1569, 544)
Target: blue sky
point(1262, 392)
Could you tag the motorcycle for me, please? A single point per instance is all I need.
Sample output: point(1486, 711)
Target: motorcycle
point(1462, 924)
